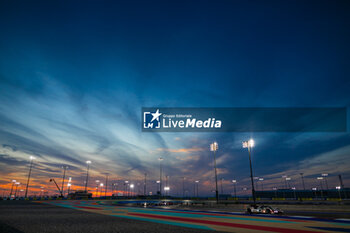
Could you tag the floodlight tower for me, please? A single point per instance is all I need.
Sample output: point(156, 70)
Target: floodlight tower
point(214, 147)
point(64, 176)
point(87, 174)
point(250, 144)
point(30, 171)
point(160, 176)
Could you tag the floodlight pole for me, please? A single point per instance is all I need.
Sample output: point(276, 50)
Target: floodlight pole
point(249, 144)
point(183, 187)
point(214, 147)
point(13, 182)
point(251, 175)
point(30, 171)
point(144, 185)
point(302, 179)
point(160, 176)
point(64, 176)
point(87, 174)
point(106, 184)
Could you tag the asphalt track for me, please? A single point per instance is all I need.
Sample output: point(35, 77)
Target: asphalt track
point(91, 216)
point(31, 217)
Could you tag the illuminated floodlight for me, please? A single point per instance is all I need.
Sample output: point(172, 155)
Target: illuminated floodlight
point(132, 186)
point(248, 144)
point(314, 189)
point(261, 179)
point(274, 188)
point(70, 179)
point(320, 178)
point(214, 146)
point(293, 188)
point(288, 178)
point(69, 184)
point(31, 157)
point(234, 181)
point(166, 188)
point(158, 181)
point(324, 174)
point(197, 181)
point(14, 181)
point(338, 187)
point(17, 183)
point(97, 181)
point(88, 162)
point(101, 184)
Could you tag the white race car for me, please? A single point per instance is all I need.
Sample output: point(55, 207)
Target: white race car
point(254, 209)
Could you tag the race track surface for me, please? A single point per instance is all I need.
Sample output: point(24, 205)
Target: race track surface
point(205, 220)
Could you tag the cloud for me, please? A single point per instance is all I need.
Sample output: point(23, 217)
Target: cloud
point(181, 150)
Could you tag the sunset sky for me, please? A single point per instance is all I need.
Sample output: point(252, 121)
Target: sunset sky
point(74, 76)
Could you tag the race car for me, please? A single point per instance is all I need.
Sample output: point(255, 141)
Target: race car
point(254, 209)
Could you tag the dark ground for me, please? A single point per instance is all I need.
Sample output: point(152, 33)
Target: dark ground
point(26, 216)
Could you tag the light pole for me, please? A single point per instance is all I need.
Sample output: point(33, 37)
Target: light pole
point(338, 188)
point(275, 189)
point(30, 171)
point(17, 183)
point(288, 181)
point(295, 197)
point(222, 187)
point(167, 185)
point(114, 188)
point(197, 183)
point(234, 187)
point(160, 176)
point(69, 184)
point(106, 187)
point(144, 185)
point(97, 183)
point(325, 179)
point(183, 187)
point(167, 189)
point(320, 179)
point(131, 190)
point(315, 191)
point(249, 144)
point(302, 179)
point(126, 188)
point(64, 176)
point(214, 147)
point(101, 187)
point(262, 185)
point(87, 174)
point(13, 182)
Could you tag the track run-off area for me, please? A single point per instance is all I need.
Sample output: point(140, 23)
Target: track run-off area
point(209, 220)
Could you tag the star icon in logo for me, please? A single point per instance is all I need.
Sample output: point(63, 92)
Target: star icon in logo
point(156, 115)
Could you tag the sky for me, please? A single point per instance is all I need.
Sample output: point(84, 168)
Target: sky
point(74, 76)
